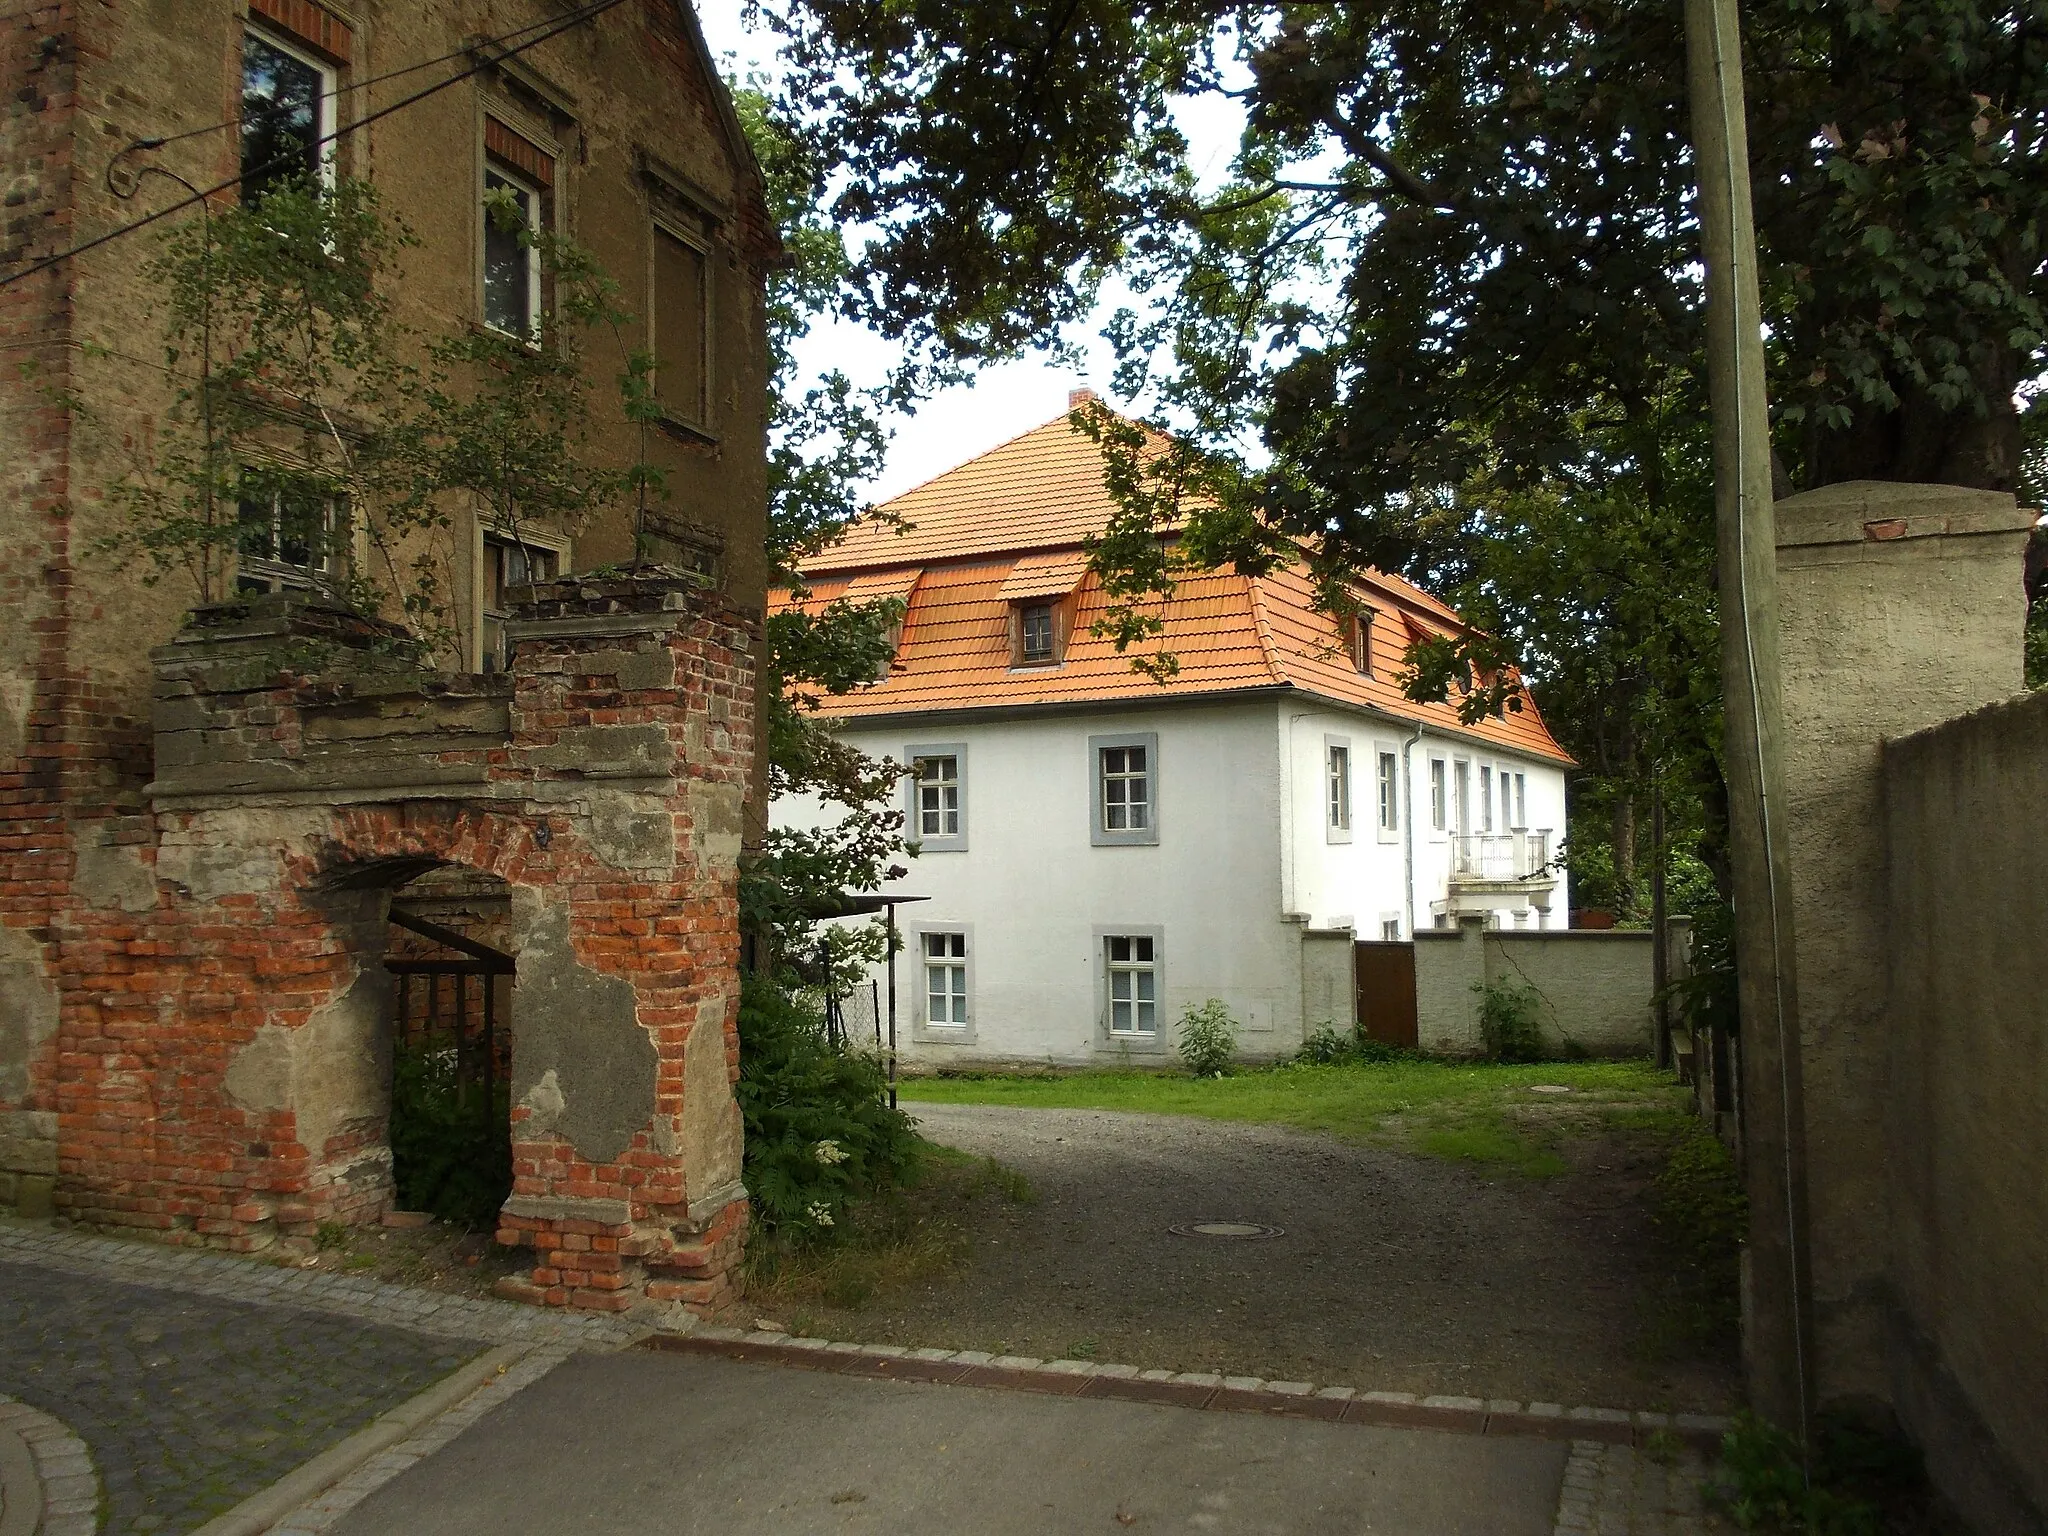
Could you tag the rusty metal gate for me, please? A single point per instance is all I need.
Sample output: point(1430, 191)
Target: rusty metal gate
point(1385, 974)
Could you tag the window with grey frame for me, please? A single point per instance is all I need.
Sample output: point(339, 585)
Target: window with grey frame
point(1337, 789)
point(945, 979)
point(1387, 781)
point(1131, 973)
point(937, 795)
point(1439, 795)
point(1126, 789)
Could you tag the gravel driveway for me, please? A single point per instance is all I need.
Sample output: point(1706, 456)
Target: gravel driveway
point(1394, 1272)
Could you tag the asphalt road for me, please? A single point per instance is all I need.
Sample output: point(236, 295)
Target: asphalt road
point(638, 1444)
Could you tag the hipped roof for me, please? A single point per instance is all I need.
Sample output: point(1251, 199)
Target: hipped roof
point(965, 546)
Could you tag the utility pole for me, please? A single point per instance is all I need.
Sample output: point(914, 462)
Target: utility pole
point(1777, 1314)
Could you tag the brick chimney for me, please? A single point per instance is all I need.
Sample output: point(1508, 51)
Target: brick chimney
point(1076, 398)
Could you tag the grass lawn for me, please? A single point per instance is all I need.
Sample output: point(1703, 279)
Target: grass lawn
point(1476, 1112)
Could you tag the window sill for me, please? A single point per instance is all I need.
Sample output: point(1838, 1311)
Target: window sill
point(687, 431)
point(1036, 666)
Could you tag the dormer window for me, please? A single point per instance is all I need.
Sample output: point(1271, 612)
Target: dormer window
point(1361, 642)
point(1035, 621)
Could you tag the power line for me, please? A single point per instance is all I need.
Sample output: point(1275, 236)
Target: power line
point(280, 162)
point(159, 141)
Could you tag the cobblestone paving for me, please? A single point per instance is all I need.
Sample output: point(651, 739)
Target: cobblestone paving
point(200, 1273)
point(1615, 1490)
point(190, 1404)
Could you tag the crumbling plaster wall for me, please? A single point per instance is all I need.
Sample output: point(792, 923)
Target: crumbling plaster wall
point(226, 1041)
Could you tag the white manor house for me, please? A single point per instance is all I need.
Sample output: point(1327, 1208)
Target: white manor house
point(1099, 850)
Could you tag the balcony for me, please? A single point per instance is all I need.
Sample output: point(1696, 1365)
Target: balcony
point(1491, 858)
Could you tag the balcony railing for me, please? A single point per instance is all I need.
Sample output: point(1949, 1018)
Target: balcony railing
point(1500, 856)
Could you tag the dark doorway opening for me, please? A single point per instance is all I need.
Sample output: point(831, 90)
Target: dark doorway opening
point(451, 1108)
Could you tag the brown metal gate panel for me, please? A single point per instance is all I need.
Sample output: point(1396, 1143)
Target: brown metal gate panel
point(1386, 993)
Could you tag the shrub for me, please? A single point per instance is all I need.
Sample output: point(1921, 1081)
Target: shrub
point(1327, 1046)
point(819, 1130)
point(1507, 1020)
point(1208, 1038)
point(451, 1149)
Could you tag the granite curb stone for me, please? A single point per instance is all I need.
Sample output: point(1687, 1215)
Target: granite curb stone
point(1203, 1389)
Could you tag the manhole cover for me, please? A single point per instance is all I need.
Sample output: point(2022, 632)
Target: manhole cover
point(1548, 1088)
point(1238, 1229)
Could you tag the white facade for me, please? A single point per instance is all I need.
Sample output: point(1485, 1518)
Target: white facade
point(1043, 892)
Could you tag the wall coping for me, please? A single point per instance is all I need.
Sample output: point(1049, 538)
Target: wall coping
point(1884, 511)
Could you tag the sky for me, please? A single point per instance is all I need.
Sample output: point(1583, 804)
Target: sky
point(1004, 400)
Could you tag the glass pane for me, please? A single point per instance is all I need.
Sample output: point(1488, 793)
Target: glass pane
point(935, 1009)
point(508, 262)
point(1120, 984)
point(258, 537)
point(281, 113)
point(1120, 1017)
point(1146, 1014)
point(1143, 946)
point(1138, 813)
point(1145, 983)
point(935, 943)
point(300, 531)
point(1120, 949)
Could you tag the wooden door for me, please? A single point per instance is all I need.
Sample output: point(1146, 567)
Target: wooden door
point(1386, 993)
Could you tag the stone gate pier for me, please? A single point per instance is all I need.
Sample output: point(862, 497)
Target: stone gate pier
point(220, 1066)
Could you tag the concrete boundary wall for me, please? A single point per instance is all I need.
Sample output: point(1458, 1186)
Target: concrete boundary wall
point(1966, 808)
point(1595, 989)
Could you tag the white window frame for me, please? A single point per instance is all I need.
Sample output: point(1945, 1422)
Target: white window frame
point(1390, 927)
point(535, 196)
point(1387, 789)
point(534, 537)
point(1337, 782)
point(325, 119)
point(1100, 833)
point(1486, 797)
point(938, 842)
point(1461, 795)
point(922, 1030)
point(1521, 802)
point(1439, 796)
point(1107, 1038)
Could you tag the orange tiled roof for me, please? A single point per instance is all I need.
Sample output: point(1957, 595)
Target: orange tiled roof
point(1010, 525)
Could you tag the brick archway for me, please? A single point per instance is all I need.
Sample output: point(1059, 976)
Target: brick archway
point(220, 1077)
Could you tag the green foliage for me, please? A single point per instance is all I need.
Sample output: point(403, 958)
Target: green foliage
point(1208, 1038)
point(1767, 1488)
point(1327, 1044)
point(1508, 1013)
point(825, 440)
point(330, 1234)
point(298, 394)
point(451, 1149)
point(819, 1130)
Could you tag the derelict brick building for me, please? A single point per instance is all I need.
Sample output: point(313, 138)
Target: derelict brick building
point(201, 845)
